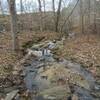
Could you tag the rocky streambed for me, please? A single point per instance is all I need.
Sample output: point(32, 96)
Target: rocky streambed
point(45, 78)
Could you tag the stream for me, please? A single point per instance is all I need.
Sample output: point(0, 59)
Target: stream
point(35, 82)
point(31, 77)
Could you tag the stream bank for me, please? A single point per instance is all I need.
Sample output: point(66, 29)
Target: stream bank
point(45, 78)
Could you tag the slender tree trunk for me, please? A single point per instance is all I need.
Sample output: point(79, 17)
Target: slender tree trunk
point(89, 11)
point(95, 14)
point(81, 17)
point(40, 15)
point(58, 15)
point(21, 13)
point(21, 6)
point(13, 16)
point(44, 5)
point(53, 6)
point(54, 14)
point(44, 14)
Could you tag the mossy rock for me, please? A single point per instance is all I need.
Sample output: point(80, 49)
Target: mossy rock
point(58, 71)
point(56, 93)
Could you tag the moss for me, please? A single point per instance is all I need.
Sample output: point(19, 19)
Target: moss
point(59, 92)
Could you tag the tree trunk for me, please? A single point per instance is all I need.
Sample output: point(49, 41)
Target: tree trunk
point(40, 15)
point(44, 6)
point(54, 15)
point(95, 14)
point(13, 16)
point(58, 15)
point(21, 6)
point(89, 11)
point(44, 15)
point(81, 17)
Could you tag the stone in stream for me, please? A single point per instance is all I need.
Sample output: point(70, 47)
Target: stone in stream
point(51, 45)
point(46, 52)
point(9, 89)
point(56, 93)
point(83, 94)
point(37, 53)
point(75, 97)
point(11, 95)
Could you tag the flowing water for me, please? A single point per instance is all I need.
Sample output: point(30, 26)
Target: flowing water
point(31, 75)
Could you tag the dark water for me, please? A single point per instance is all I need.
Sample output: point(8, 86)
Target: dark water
point(31, 73)
point(79, 69)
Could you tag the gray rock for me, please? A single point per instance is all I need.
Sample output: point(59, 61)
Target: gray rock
point(11, 95)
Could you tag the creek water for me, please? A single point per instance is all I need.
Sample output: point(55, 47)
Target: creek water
point(31, 73)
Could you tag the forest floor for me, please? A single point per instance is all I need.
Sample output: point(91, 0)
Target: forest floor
point(80, 52)
point(8, 59)
point(84, 49)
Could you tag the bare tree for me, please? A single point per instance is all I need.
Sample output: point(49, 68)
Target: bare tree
point(54, 14)
point(81, 17)
point(53, 6)
point(44, 5)
point(89, 10)
point(67, 19)
point(40, 15)
point(13, 16)
point(95, 15)
point(21, 6)
point(44, 15)
point(58, 15)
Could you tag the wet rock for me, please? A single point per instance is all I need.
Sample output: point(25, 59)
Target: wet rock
point(40, 66)
point(96, 94)
point(56, 93)
point(83, 94)
point(37, 53)
point(49, 97)
point(51, 45)
point(46, 52)
point(75, 97)
point(11, 95)
point(9, 89)
point(41, 70)
point(26, 64)
point(39, 97)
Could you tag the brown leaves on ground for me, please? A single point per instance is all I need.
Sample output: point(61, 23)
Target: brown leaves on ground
point(84, 49)
point(7, 57)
